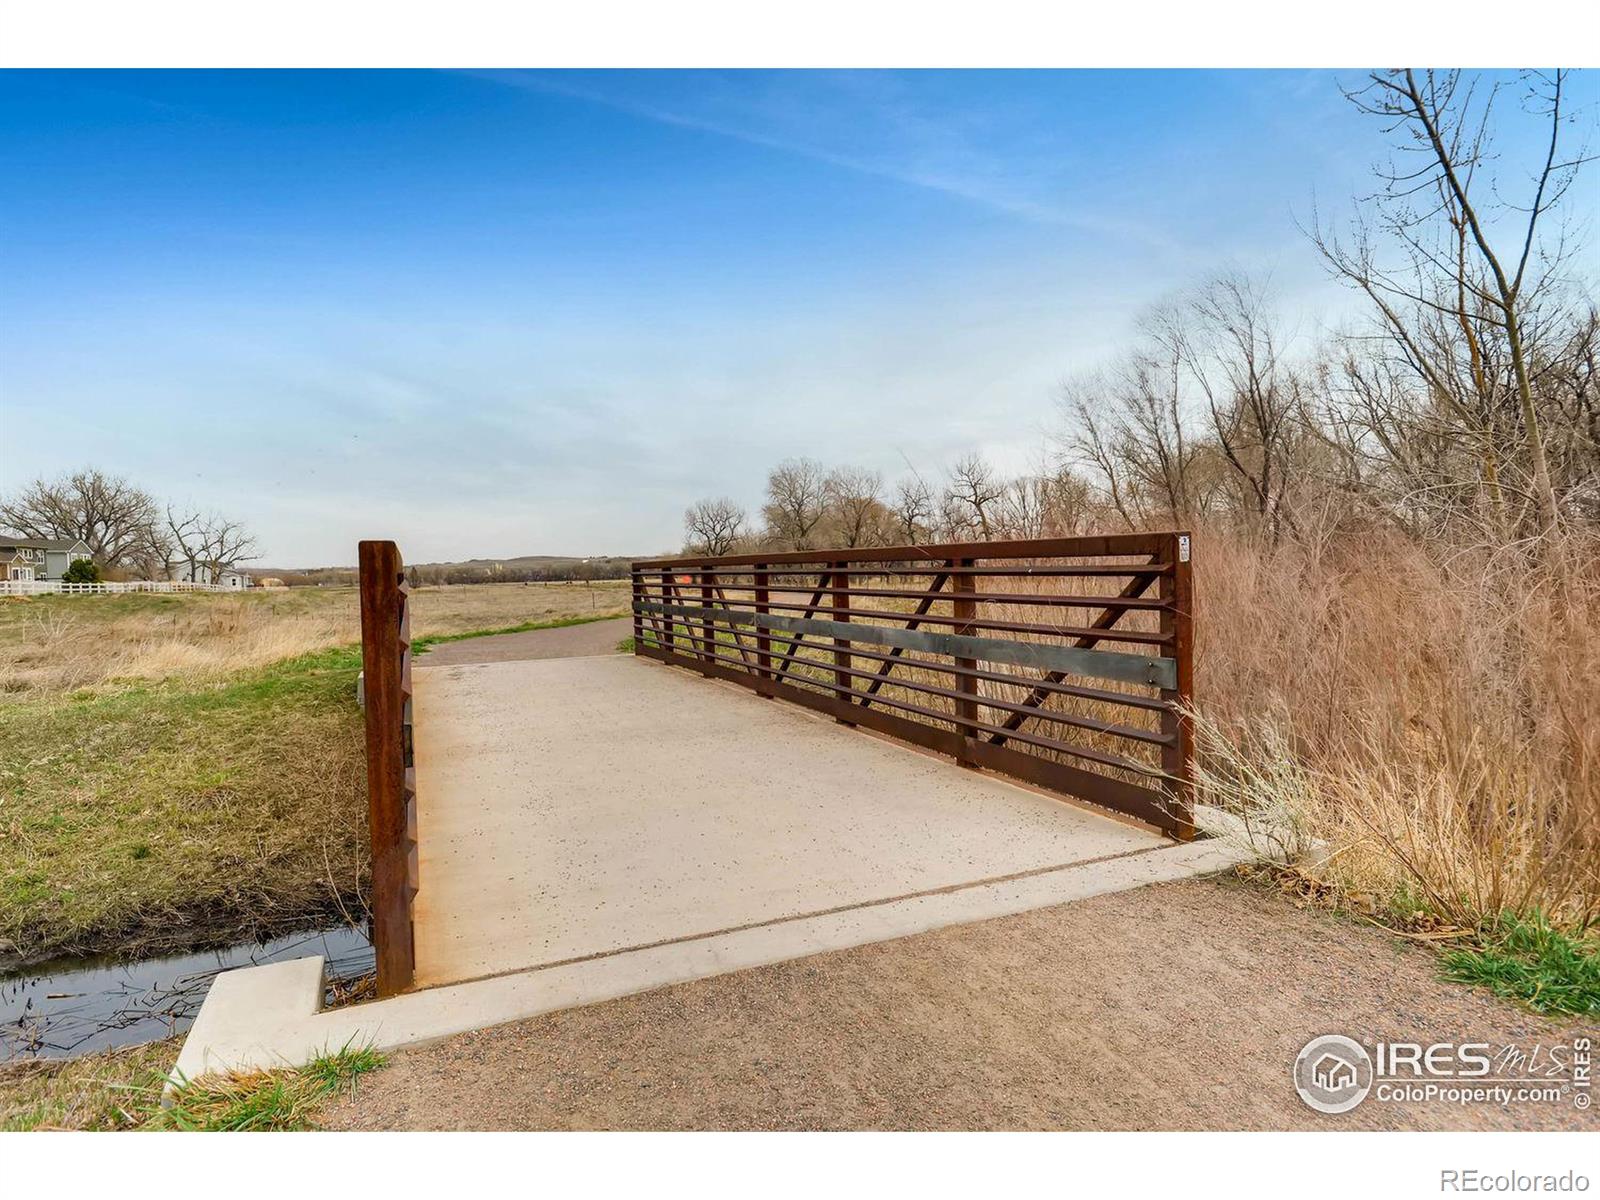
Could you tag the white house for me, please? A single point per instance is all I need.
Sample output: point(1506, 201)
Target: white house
point(205, 573)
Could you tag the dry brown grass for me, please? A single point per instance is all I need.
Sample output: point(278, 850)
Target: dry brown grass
point(1431, 719)
point(62, 643)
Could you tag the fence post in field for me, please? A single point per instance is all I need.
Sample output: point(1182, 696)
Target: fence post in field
point(391, 793)
point(1177, 623)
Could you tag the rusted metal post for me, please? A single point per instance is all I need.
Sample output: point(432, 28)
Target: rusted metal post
point(708, 629)
point(637, 586)
point(668, 641)
point(391, 806)
point(1177, 623)
point(963, 608)
point(763, 636)
point(843, 681)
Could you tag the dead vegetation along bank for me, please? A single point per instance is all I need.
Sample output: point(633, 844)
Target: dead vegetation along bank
point(1430, 718)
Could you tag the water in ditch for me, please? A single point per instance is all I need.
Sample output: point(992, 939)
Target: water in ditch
point(68, 1007)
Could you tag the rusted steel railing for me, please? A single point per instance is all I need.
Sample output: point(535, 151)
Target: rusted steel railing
point(1064, 662)
point(391, 779)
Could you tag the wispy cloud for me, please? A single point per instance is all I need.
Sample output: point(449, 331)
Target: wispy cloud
point(987, 186)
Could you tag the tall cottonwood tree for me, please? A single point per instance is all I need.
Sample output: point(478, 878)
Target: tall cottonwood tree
point(856, 512)
point(796, 502)
point(116, 519)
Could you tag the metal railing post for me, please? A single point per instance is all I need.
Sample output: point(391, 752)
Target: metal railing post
point(763, 636)
point(843, 681)
point(1177, 623)
point(963, 608)
point(391, 791)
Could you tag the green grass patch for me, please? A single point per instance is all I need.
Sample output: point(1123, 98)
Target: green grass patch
point(626, 645)
point(1528, 961)
point(265, 1101)
point(125, 1089)
point(420, 645)
point(158, 817)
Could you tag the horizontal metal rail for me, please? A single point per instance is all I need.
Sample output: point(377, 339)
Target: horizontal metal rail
point(1094, 664)
point(832, 630)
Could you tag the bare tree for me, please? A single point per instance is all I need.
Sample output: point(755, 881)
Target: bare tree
point(1089, 446)
point(857, 514)
point(1457, 290)
point(110, 515)
point(796, 502)
point(1254, 399)
point(972, 495)
point(1043, 505)
point(713, 526)
point(913, 510)
point(207, 544)
point(1132, 427)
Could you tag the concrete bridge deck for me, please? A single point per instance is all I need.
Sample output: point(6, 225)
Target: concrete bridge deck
point(595, 827)
point(570, 808)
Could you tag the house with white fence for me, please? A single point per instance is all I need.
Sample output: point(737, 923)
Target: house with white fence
point(35, 566)
point(30, 560)
point(220, 578)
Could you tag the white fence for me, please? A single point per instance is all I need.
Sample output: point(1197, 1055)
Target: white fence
point(47, 587)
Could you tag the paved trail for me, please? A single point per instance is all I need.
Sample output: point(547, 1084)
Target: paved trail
point(1178, 1006)
point(570, 641)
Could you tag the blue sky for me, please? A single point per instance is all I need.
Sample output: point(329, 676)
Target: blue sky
point(502, 313)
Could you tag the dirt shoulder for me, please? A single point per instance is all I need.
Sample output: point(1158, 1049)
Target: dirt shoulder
point(1179, 1006)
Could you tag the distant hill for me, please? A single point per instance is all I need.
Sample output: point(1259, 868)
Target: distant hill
point(536, 560)
point(471, 570)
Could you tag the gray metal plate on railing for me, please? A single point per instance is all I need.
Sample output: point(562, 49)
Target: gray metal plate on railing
point(1114, 665)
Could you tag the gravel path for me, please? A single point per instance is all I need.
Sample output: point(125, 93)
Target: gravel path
point(1179, 1006)
point(569, 641)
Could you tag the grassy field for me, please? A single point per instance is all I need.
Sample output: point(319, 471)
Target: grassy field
point(122, 1090)
point(185, 771)
point(62, 643)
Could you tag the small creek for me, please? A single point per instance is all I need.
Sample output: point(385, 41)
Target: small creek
point(68, 1007)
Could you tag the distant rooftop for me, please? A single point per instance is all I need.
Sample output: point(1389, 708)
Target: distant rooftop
point(11, 541)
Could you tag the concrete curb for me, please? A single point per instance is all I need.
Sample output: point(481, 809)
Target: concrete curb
point(262, 1017)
